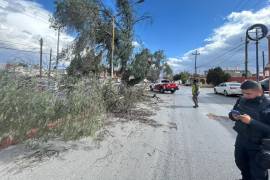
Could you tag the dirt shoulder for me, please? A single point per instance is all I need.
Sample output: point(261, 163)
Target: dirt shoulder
point(129, 145)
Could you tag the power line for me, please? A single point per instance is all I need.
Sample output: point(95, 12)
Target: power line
point(9, 48)
point(229, 57)
point(246, 3)
point(238, 5)
point(257, 4)
point(223, 54)
point(217, 63)
point(196, 55)
point(13, 43)
point(243, 5)
point(36, 17)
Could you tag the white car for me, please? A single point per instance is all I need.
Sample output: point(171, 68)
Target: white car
point(228, 88)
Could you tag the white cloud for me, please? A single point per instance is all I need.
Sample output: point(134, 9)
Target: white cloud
point(174, 62)
point(178, 64)
point(22, 24)
point(136, 44)
point(221, 47)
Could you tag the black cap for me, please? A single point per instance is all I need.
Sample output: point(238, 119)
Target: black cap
point(249, 84)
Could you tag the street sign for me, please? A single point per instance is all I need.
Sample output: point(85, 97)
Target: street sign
point(256, 33)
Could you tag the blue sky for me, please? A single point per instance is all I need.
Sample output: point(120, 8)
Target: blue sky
point(181, 26)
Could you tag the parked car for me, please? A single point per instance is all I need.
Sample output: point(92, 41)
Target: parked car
point(163, 86)
point(265, 84)
point(228, 88)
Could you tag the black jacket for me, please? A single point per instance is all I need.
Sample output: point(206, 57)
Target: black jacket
point(251, 135)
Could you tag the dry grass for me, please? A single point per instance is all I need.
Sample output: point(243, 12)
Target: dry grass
point(76, 110)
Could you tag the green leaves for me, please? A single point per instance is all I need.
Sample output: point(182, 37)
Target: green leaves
point(25, 107)
point(83, 66)
point(183, 76)
point(216, 76)
point(140, 66)
point(168, 72)
point(91, 23)
point(76, 110)
point(156, 65)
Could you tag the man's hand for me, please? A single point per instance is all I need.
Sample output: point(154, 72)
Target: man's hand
point(245, 118)
point(236, 117)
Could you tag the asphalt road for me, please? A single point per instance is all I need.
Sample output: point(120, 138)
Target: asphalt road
point(180, 143)
point(204, 141)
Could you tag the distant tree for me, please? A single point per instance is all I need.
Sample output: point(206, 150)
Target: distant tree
point(248, 74)
point(216, 76)
point(35, 66)
point(177, 77)
point(158, 59)
point(184, 76)
point(23, 65)
point(84, 65)
point(153, 74)
point(168, 72)
point(156, 65)
point(138, 69)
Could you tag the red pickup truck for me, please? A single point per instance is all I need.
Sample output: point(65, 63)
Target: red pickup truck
point(163, 86)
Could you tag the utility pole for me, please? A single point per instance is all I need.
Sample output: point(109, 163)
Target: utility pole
point(57, 53)
point(268, 64)
point(40, 60)
point(112, 53)
point(196, 54)
point(263, 64)
point(257, 57)
point(246, 57)
point(50, 62)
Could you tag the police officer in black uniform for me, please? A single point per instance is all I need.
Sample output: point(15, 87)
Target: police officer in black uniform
point(251, 114)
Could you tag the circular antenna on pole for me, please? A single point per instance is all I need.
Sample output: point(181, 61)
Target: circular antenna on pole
point(257, 32)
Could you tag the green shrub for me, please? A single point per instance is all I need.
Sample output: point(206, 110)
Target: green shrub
point(84, 110)
point(76, 110)
point(119, 98)
point(23, 106)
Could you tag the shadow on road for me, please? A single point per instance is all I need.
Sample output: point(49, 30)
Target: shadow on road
point(157, 92)
point(224, 121)
point(178, 107)
point(217, 99)
point(221, 95)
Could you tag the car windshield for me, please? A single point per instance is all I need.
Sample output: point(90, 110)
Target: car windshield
point(234, 84)
point(165, 81)
point(265, 81)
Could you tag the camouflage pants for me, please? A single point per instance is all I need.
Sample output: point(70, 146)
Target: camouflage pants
point(195, 100)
